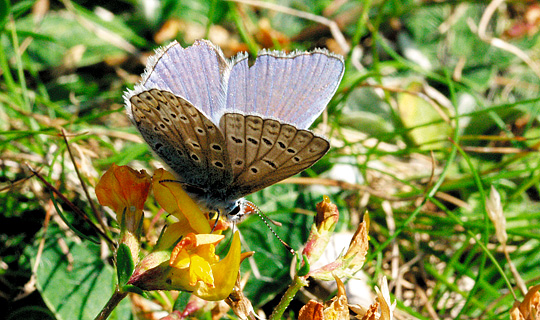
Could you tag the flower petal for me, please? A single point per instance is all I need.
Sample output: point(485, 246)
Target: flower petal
point(180, 252)
point(209, 238)
point(313, 310)
point(383, 296)
point(108, 191)
point(170, 195)
point(225, 273)
point(124, 190)
point(181, 259)
point(200, 270)
point(135, 185)
point(338, 308)
point(173, 232)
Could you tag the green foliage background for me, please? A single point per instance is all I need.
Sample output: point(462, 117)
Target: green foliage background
point(428, 117)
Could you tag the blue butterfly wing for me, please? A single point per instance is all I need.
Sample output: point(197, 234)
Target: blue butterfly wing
point(292, 88)
point(195, 74)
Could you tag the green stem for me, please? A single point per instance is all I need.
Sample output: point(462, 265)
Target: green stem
point(244, 34)
point(298, 283)
point(111, 304)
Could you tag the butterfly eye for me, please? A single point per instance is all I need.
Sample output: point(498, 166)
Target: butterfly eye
point(234, 211)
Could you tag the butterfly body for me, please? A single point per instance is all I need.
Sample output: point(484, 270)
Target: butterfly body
point(226, 129)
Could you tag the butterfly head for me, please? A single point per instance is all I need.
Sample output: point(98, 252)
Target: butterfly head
point(240, 209)
point(243, 208)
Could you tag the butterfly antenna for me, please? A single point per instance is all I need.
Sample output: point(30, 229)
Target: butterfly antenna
point(169, 180)
point(265, 219)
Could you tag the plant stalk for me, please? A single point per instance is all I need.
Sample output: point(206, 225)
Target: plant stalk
point(298, 283)
point(111, 304)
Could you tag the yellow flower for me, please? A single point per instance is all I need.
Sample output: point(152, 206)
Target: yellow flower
point(194, 267)
point(196, 252)
point(171, 197)
point(124, 190)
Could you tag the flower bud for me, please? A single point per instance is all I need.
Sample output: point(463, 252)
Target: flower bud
point(124, 190)
point(325, 222)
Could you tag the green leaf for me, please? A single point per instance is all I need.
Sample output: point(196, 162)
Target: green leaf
point(76, 283)
point(134, 289)
point(182, 301)
point(5, 9)
point(272, 259)
point(303, 270)
point(124, 264)
point(130, 153)
point(417, 114)
point(116, 27)
point(63, 41)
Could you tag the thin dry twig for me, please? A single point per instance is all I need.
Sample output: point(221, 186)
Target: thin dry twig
point(501, 150)
point(517, 277)
point(394, 259)
point(73, 207)
point(83, 185)
point(499, 43)
point(421, 95)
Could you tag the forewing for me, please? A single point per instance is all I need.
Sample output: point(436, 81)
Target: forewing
point(196, 73)
point(266, 151)
point(293, 88)
point(189, 143)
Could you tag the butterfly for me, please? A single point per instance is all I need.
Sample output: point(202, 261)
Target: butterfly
point(227, 129)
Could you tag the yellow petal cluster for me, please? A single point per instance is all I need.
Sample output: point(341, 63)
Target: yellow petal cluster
point(189, 264)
